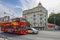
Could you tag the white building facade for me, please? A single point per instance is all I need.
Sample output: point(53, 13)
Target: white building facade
point(36, 16)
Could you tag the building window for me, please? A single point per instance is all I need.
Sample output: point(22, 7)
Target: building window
point(40, 18)
point(34, 19)
point(45, 15)
point(25, 17)
point(34, 15)
point(40, 22)
point(45, 19)
point(41, 14)
point(34, 23)
point(45, 24)
point(41, 11)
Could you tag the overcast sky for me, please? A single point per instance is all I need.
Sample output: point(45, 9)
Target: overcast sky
point(15, 7)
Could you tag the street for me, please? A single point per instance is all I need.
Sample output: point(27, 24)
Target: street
point(43, 35)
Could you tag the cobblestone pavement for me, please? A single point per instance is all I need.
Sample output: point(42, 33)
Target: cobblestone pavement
point(43, 35)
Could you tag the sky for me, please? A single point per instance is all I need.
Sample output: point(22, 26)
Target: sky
point(16, 7)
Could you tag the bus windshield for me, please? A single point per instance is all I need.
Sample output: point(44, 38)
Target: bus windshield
point(21, 28)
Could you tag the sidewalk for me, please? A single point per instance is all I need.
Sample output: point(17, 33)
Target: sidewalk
point(2, 39)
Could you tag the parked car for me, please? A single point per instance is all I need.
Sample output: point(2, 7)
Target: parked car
point(57, 27)
point(32, 30)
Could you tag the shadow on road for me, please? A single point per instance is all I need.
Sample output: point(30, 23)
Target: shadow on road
point(8, 35)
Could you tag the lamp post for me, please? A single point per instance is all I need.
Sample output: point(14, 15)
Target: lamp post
point(54, 17)
point(54, 20)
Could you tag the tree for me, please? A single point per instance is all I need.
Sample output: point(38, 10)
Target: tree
point(52, 13)
point(55, 19)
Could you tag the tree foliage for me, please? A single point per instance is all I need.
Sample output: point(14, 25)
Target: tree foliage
point(55, 19)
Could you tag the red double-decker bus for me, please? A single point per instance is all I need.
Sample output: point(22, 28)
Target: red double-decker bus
point(16, 26)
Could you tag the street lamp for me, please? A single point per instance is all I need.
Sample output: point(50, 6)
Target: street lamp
point(54, 16)
point(54, 19)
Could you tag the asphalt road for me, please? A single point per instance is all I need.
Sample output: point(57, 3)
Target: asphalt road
point(43, 35)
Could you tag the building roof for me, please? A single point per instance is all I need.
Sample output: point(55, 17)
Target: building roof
point(39, 5)
point(34, 9)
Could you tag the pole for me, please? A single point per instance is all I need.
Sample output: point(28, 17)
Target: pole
point(54, 20)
